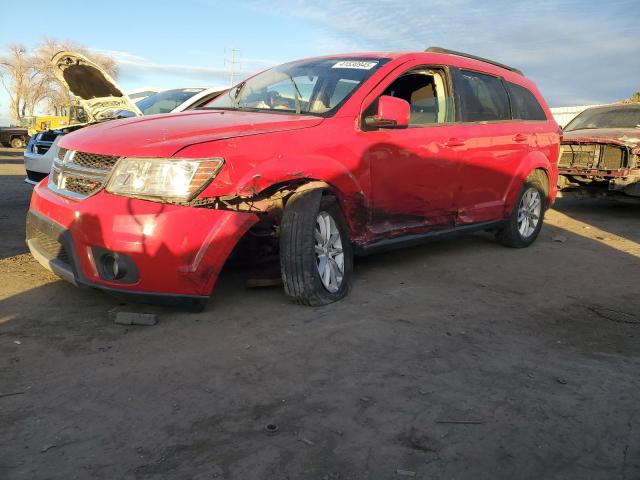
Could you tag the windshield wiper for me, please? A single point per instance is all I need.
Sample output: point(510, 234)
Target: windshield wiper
point(298, 95)
point(235, 93)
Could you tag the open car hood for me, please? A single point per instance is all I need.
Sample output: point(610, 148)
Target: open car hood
point(96, 91)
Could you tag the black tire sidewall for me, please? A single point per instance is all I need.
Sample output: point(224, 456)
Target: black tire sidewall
point(298, 260)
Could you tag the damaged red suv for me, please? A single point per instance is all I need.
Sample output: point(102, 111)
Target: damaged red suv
point(316, 160)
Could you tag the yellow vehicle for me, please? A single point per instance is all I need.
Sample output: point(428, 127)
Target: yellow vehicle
point(42, 123)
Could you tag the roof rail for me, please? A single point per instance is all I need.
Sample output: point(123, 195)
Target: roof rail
point(474, 57)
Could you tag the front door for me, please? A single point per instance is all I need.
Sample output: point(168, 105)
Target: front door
point(414, 172)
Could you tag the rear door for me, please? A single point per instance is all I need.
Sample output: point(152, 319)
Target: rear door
point(492, 146)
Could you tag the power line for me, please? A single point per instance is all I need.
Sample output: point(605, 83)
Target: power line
point(233, 64)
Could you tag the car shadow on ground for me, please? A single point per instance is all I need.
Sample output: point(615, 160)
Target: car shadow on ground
point(15, 203)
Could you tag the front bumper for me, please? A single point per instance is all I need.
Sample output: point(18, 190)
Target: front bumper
point(177, 251)
point(38, 165)
point(39, 162)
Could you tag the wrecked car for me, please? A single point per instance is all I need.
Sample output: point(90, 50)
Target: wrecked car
point(316, 160)
point(600, 152)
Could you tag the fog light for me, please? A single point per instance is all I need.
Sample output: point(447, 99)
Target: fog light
point(113, 267)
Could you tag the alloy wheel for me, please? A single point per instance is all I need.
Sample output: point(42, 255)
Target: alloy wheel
point(328, 250)
point(529, 212)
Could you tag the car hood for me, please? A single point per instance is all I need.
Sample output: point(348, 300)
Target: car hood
point(164, 135)
point(627, 136)
point(95, 90)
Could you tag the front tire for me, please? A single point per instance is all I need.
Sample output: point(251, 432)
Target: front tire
point(526, 219)
point(316, 257)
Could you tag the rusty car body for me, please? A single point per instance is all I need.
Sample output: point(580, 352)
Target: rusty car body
point(600, 152)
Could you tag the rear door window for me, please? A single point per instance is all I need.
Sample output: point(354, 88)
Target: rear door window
point(483, 98)
point(524, 104)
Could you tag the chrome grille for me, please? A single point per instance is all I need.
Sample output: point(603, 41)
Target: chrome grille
point(91, 160)
point(612, 158)
point(579, 155)
point(80, 174)
point(593, 156)
point(41, 148)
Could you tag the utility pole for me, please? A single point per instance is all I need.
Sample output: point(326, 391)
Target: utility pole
point(233, 64)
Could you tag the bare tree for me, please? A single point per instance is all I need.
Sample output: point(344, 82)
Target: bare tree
point(635, 98)
point(29, 78)
point(16, 76)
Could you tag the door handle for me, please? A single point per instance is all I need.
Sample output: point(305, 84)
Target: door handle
point(520, 137)
point(454, 142)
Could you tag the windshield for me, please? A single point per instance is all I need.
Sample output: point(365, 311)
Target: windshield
point(165, 102)
point(316, 87)
point(617, 117)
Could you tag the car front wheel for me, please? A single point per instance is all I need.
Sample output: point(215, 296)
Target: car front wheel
point(316, 257)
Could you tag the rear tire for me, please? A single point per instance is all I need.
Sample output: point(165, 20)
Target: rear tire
point(17, 142)
point(314, 238)
point(526, 219)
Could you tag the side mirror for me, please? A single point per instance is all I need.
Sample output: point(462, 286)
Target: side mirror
point(392, 113)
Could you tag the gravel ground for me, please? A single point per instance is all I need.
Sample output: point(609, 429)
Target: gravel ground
point(458, 359)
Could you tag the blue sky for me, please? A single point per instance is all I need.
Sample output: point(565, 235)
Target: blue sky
point(578, 52)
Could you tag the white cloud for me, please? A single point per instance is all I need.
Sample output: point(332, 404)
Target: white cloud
point(572, 49)
point(135, 66)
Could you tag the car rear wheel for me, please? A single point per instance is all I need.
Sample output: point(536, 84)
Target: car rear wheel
point(526, 219)
point(316, 257)
point(17, 142)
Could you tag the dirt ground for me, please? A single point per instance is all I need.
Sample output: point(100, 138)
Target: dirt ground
point(458, 359)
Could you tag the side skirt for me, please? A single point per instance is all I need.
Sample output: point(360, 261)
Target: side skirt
point(420, 238)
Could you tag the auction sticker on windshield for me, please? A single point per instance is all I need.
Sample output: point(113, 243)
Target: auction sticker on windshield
point(355, 64)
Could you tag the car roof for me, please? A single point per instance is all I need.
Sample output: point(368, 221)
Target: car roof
point(614, 106)
point(441, 56)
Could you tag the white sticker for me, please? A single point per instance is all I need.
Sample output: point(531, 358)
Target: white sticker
point(355, 64)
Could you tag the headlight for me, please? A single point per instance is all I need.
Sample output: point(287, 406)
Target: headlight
point(162, 178)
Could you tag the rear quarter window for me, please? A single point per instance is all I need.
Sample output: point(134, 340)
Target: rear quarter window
point(524, 104)
point(482, 97)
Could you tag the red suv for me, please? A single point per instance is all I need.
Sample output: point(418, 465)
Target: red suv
point(316, 160)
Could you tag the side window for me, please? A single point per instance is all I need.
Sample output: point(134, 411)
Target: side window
point(425, 90)
point(482, 97)
point(524, 104)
